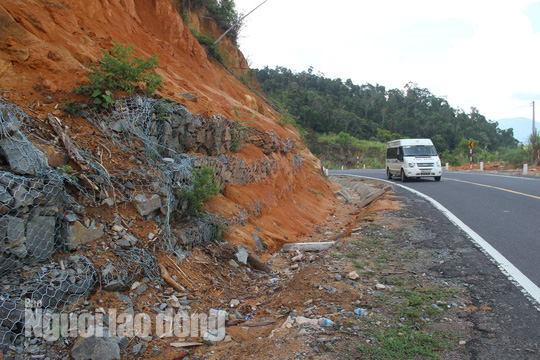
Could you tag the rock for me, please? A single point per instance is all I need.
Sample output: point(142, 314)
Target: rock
point(22, 156)
point(21, 196)
point(242, 255)
point(130, 238)
point(70, 217)
point(40, 233)
point(5, 339)
point(12, 229)
point(258, 243)
point(147, 206)
point(125, 299)
point(136, 349)
point(463, 314)
point(11, 313)
point(234, 303)
point(380, 286)
point(228, 338)
point(8, 264)
point(298, 257)
point(95, 348)
point(353, 275)
point(141, 289)
point(77, 234)
point(6, 200)
point(118, 228)
point(301, 320)
point(108, 201)
point(173, 302)
point(189, 97)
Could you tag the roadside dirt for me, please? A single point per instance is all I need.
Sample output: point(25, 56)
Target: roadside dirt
point(405, 284)
point(498, 166)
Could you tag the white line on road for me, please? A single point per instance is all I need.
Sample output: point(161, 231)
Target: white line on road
point(513, 273)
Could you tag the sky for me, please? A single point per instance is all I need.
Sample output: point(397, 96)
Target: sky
point(475, 53)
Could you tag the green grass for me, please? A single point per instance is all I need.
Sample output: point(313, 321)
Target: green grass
point(406, 343)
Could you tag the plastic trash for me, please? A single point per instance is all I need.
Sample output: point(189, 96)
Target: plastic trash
point(325, 322)
point(361, 312)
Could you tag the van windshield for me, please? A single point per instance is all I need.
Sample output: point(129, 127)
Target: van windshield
point(419, 150)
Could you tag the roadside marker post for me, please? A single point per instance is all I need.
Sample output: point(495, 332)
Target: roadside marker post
point(481, 165)
point(471, 144)
point(525, 168)
point(447, 166)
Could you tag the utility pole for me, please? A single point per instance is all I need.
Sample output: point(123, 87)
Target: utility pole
point(533, 119)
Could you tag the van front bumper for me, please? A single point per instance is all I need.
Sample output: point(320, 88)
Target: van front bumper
point(419, 172)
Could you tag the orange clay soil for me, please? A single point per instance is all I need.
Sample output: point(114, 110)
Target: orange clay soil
point(497, 166)
point(46, 46)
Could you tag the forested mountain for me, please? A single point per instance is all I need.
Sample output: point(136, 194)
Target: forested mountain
point(371, 112)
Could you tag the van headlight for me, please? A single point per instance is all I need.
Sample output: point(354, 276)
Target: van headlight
point(411, 164)
point(437, 163)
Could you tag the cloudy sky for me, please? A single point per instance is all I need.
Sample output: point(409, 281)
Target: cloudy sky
point(477, 53)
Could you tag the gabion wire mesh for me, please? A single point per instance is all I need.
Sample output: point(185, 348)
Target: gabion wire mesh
point(33, 203)
point(123, 266)
point(166, 132)
point(151, 138)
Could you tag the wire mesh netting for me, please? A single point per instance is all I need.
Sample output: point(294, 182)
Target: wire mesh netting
point(164, 132)
point(136, 153)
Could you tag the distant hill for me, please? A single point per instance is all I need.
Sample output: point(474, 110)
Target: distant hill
point(522, 127)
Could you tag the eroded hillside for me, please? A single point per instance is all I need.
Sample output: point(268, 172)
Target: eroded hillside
point(45, 47)
point(97, 200)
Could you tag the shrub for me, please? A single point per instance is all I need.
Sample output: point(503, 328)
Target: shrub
point(516, 156)
point(204, 188)
point(118, 71)
point(214, 49)
point(534, 148)
point(240, 132)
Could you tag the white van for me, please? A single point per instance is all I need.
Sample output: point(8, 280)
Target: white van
point(410, 158)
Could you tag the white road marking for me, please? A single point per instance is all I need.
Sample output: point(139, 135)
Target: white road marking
point(513, 273)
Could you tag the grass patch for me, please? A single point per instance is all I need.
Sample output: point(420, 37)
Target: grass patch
point(406, 343)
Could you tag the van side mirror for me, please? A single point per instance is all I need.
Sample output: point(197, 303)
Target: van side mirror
point(400, 157)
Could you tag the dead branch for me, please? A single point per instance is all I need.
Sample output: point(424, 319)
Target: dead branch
point(169, 280)
point(71, 149)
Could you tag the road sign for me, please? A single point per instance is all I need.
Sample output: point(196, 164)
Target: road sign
point(471, 144)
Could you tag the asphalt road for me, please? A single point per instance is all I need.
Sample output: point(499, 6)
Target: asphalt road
point(503, 210)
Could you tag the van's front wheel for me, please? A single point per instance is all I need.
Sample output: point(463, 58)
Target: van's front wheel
point(437, 178)
point(404, 177)
point(388, 174)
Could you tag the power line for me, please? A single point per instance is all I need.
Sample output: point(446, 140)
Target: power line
point(238, 22)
